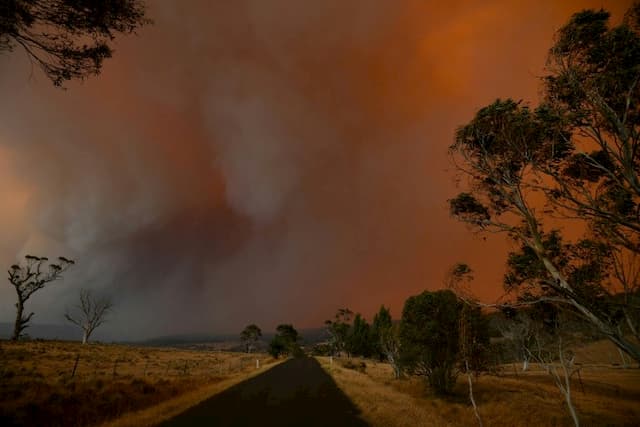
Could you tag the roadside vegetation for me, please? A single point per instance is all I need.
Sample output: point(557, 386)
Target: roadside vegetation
point(62, 383)
point(605, 394)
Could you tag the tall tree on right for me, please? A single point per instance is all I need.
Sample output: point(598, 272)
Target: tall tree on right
point(575, 156)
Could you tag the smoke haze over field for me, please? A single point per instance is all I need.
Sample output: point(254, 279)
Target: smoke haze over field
point(262, 162)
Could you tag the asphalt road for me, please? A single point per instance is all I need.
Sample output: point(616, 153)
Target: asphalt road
point(297, 392)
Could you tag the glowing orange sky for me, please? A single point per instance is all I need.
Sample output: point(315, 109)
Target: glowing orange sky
point(264, 162)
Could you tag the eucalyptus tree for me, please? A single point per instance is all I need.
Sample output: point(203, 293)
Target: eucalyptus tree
point(575, 157)
point(29, 277)
point(67, 39)
point(250, 336)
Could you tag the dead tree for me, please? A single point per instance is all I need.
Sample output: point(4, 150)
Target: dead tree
point(30, 277)
point(549, 346)
point(91, 313)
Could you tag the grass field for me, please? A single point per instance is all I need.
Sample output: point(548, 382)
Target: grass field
point(68, 384)
point(606, 395)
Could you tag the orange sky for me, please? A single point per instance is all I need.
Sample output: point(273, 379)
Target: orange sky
point(263, 162)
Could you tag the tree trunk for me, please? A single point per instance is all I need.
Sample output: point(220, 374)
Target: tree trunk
point(17, 328)
point(473, 401)
point(601, 326)
point(85, 337)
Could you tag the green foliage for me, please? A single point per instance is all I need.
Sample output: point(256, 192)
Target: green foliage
point(474, 338)
point(380, 327)
point(285, 342)
point(359, 338)
point(579, 153)
point(250, 335)
point(68, 39)
point(338, 330)
point(429, 337)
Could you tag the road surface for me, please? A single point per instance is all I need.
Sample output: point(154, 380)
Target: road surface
point(297, 392)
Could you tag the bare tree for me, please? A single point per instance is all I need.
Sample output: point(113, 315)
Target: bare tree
point(30, 277)
point(91, 313)
point(518, 333)
point(466, 351)
point(550, 347)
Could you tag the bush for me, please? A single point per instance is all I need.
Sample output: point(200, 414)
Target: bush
point(356, 366)
point(429, 338)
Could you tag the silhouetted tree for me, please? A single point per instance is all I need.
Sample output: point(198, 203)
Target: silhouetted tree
point(285, 341)
point(30, 277)
point(67, 39)
point(358, 338)
point(514, 156)
point(387, 336)
point(339, 330)
point(381, 321)
point(429, 338)
point(90, 313)
point(250, 336)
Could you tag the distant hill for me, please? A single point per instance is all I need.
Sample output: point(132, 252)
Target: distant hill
point(229, 342)
point(43, 331)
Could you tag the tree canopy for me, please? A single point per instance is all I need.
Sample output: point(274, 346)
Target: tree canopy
point(250, 335)
point(575, 157)
point(68, 39)
point(285, 341)
point(429, 337)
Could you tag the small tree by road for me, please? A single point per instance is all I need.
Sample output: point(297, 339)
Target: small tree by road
point(250, 336)
point(386, 337)
point(338, 329)
point(285, 341)
point(31, 276)
point(90, 313)
point(429, 338)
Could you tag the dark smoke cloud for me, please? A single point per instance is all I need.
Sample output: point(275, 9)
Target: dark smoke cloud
point(265, 162)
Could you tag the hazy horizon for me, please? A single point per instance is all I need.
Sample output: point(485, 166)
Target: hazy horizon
point(244, 162)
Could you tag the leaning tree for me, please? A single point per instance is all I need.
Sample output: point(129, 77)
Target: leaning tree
point(31, 276)
point(575, 157)
point(67, 39)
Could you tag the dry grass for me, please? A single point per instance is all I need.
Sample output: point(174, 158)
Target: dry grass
point(606, 395)
point(38, 385)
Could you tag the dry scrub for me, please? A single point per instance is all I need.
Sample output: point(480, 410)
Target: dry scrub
point(41, 383)
point(605, 395)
